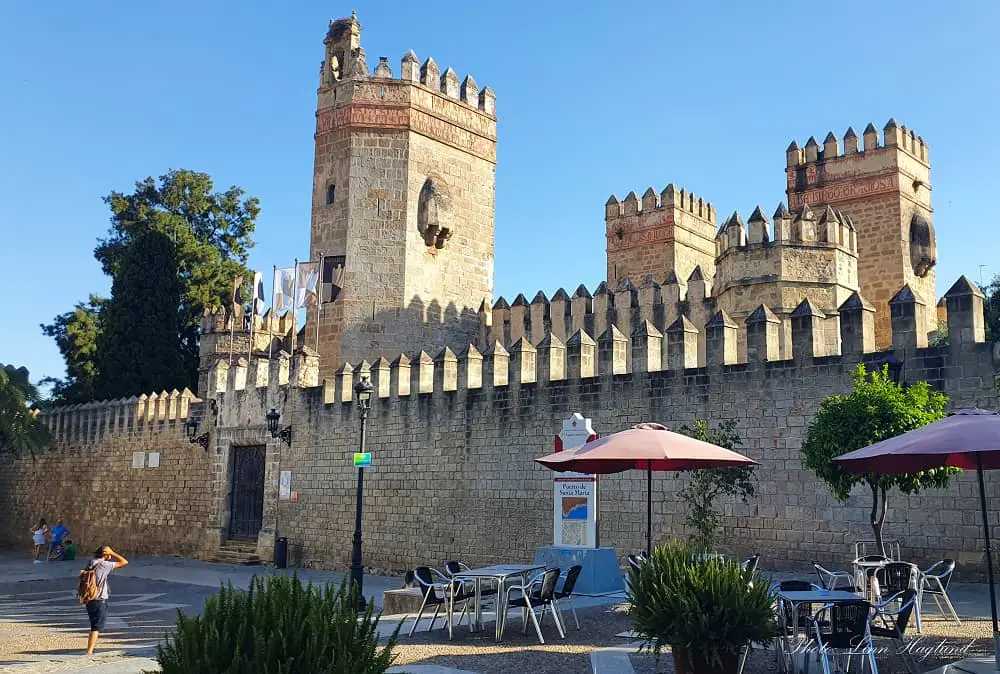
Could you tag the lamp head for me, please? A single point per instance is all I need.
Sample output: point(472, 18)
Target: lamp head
point(272, 418)
point(363, 392)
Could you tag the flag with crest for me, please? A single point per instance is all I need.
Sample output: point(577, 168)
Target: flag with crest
point(308, 284)
point(259, 302)
point(284, 288)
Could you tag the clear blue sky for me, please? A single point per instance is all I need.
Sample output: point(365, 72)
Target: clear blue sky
point(593, 99)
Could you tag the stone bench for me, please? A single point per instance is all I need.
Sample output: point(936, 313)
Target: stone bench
point(398, 602)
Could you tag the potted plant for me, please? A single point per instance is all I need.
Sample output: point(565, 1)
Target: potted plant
point(706, 610)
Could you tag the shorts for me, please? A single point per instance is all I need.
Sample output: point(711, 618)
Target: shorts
point(97, 611)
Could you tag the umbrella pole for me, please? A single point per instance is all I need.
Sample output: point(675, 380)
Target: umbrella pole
point(649, 514)
point(989, 562)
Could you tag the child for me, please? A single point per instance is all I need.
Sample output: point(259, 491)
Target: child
point(58, 532)
point(69, 553)
point(38, 538)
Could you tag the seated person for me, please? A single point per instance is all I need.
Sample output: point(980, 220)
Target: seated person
point(69, 551)
point(59, 532)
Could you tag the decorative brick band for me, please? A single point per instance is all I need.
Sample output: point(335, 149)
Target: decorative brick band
point(845, 191)
point(410, 118)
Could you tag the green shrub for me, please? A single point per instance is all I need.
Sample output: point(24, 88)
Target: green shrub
point(705, 610)
point(278, 627)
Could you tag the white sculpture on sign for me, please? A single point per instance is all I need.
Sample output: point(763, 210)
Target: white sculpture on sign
point(574, 514)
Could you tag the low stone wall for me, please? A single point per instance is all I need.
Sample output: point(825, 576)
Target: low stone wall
point(93, 486)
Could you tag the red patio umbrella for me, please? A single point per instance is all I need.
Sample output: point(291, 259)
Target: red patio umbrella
point(966, 439)
point(646, 446)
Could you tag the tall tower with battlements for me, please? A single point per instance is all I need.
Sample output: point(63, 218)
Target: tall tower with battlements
point(403, 204)
point(670, 231)
point(885, 189)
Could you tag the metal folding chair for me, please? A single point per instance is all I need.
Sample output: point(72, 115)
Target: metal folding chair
point(934, 581)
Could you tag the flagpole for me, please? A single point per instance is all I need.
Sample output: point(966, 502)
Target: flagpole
point(274, 281)
point(295, 302)
point(253, 317)
point(232, 333)
point(319, 298)
point(232, 324)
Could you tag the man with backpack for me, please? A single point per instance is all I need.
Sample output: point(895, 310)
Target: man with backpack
point(93, 589)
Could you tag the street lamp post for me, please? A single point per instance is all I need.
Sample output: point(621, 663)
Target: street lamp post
point(363, 391)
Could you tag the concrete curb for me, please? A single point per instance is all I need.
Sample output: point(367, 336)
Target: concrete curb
point(611, 661)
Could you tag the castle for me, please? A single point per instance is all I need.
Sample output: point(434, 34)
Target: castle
point(755, 320)
point(403, 201)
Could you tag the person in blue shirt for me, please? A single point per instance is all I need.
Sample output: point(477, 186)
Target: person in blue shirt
point(58, 532)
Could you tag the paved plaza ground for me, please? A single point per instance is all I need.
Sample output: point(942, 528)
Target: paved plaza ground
point(43, 629)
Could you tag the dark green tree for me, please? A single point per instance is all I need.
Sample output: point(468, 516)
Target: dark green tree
point(137, 348)
point(992, 309)
point(21, 432)
point(210, 230)
point(211, 234)
point(877, 408)
point(76, 333)
point(705, 486)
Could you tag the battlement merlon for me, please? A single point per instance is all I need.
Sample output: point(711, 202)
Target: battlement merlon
point(824, 227)
point(893, 136)
point(419, 100)
point(163, 412)
point(612, 353)
point(670, 197)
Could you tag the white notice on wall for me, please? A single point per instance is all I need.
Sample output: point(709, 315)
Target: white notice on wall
point(138, 459)
point(153, 460)
point(285, 485)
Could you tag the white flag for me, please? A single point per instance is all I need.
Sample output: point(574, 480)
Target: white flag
point(258, 294)
point(284, 289)
point(308, 283)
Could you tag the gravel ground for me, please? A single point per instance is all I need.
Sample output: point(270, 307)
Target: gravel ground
point(941, 642)
point(22, 641)
point(519, 652)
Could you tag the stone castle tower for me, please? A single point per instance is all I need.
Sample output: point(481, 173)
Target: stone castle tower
point(886, 190)
point(672, 231)
point(856, 221)
point(403, 203)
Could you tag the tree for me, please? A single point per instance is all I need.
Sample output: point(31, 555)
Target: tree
point(20, 430)
point(940, 335)
point(211, 235)
point(704, 486)
point(76, 333)
point(876, 409)
point(992, 310)
point(137, 348)
point(210, 231)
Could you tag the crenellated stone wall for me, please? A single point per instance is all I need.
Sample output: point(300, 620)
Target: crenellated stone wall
point(122, 473)
point(454, 437)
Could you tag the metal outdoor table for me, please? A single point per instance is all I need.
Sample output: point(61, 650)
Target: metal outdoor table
point(792, 599)
point(499, 573)
point(863, 569)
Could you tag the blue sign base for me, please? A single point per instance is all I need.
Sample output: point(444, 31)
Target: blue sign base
point(600, 574)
